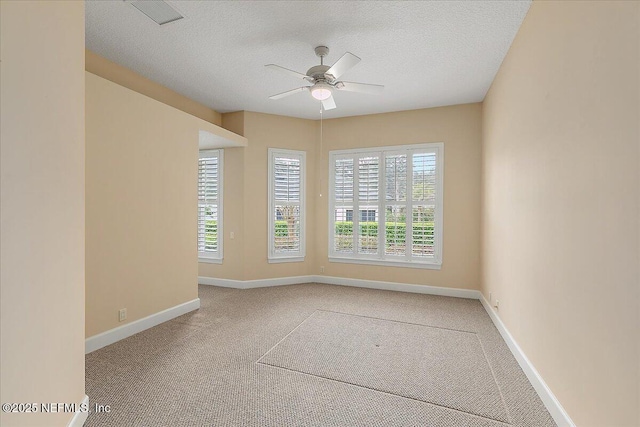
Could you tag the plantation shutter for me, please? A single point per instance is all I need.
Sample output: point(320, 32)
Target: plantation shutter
point(423, 204)
point(395, 204)
point(368, 192)
point(209, 204)
point(386, 205)
point(343, 205)
point(286, 204)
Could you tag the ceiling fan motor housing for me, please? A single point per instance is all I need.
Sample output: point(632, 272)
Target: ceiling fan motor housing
point(318, 72)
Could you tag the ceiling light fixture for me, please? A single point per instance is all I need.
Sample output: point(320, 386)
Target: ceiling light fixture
point(321, 91)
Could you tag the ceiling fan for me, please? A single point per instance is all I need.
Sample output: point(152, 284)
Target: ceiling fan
point(324, 79)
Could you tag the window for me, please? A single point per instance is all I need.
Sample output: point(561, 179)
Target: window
point(365, 215)
point(210, 232)
point(368, 215)
point(349, 214)
point(286, 205)
point(397, 193)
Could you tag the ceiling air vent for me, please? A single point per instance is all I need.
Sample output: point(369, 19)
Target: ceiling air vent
point(159, 11)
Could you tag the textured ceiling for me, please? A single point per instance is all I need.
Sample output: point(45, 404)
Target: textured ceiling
point(425, 53)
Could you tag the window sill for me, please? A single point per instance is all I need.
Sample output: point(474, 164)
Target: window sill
point(210, 260)
point(404, 264)
point(287, 259)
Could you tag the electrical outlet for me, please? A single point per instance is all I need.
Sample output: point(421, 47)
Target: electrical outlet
point(122, 314)
point(232, 235)
point(322, 269)
point(497, 305)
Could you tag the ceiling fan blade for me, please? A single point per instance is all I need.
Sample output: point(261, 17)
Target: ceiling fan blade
point(347, 61)
point(295, 74)
point(289, 92)
point(329, 103)
point(360, 87)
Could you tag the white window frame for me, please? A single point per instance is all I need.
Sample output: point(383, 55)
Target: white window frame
point(215, 257)
point(380, 258)
point(298, 256)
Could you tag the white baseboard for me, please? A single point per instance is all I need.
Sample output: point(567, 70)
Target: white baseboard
point(116, 334)
point(250, 284)
point(552, 404)
point(342, 281)
point(80, 416)
point(401, 287)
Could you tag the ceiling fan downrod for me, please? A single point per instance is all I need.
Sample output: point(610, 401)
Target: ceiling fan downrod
point(322, 51)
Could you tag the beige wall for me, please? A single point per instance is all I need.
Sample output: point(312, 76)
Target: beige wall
point(233, 263)
point(458, 127)
point(102, 67)
point(42, 207)
point(140, 204)
point(233, 122)
point(266, 131)
point(246, 206)
point(246, 199)
point(561, 203)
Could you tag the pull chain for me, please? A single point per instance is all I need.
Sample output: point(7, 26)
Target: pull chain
point(320, 156)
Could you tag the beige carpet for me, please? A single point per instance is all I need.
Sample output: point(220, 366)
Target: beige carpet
point(315, 355)
point(434, 365)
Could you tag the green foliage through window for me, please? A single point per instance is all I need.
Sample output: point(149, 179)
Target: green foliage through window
point(394, 231)
point(211, 234)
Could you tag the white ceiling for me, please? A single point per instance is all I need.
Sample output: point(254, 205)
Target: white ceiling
point(426, 53)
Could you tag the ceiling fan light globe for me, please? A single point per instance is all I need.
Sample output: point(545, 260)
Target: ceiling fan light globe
point(321, 91)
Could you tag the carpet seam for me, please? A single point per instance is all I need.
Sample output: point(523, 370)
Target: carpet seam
point(495, 379)
point(286, 336)
point(397, 321)
point(384, 392)
point(510, 422)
